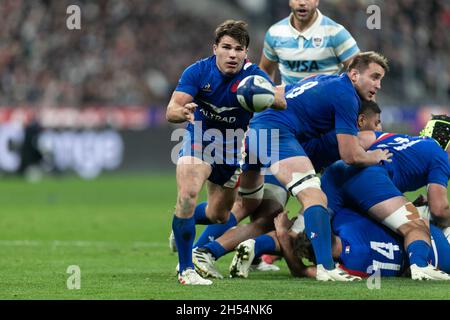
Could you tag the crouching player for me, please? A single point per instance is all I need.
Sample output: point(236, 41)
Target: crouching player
point(360, 245)
point(378, 190)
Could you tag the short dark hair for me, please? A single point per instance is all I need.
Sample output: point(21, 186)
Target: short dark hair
point(362, 60)
point(303, 248)
point(438, 128)
point(235, 29)
point(368, 107)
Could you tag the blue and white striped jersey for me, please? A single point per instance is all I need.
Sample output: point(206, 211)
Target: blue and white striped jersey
point(319, 49)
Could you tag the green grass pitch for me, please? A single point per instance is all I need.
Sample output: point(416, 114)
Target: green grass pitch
point(115, 230)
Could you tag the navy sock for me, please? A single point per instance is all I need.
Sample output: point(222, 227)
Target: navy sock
point(264, 244)
point(200, 214)
point(214, 231)
point(216, 249)
point(184, 231)
point(418, 252)
point(318, 231)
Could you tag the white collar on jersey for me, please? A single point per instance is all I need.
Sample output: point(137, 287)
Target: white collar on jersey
point(308, 33)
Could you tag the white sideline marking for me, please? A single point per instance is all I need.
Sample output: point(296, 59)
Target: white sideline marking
point(79, 243)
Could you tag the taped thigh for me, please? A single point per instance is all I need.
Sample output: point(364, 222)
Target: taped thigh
point(303, 180)
point(402, 216)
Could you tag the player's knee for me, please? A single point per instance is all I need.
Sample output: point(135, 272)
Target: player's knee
point(302, 181)
point(187, 200)
point(405, 220)
point(312, 196)
point(221, 216)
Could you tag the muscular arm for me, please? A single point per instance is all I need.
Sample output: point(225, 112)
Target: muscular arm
point(366, 139)
point(286, 242)
point(180, 108)
point(268, 66)
point(438, 203)
point(280, 100)
point(353, 153)
point(295, 265)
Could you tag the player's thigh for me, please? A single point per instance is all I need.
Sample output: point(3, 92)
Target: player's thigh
point(384, 209)
point(297, 174)
point(372, 190)
point(251, 190)
point(191, 173)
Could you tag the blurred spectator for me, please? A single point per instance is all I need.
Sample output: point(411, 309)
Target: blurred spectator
point(130, 52)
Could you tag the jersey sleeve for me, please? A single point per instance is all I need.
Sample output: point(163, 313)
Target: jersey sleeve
point(189, 80)
point(344, 45)
point(439, 172)
point(346, 115)
point(268, 49)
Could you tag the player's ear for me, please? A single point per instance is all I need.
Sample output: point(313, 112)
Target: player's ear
point(214, 48)
point(361, 118)
point(353, 74)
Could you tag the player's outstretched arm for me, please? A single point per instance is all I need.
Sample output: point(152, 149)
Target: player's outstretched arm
point(280, 100)
point(353, 153)
point(180, 108)
point(286, 242)
point(438, 203)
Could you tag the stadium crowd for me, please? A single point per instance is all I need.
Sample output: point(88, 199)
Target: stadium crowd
point(130, 52)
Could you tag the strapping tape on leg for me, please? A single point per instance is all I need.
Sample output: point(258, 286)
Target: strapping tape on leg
point(275, 193)
point(256, 193)
point(424, 212)
point(401, 216)
point(299, 224)
point(301, 181)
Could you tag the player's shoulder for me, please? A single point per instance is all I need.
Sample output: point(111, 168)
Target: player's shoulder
point(342, 86)
point(279, 28)
point(201, 67)
point(327, 21)
point(332, 28)
point(205, 62)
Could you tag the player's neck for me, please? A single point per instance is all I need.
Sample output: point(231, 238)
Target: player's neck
point(336, 246)
point(303, 25)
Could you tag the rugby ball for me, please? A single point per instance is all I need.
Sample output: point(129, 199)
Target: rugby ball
point(255, 93)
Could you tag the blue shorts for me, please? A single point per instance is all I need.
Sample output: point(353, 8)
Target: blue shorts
point(224, 157)
point(322, 151)
point(357, 188)
point(269, 142)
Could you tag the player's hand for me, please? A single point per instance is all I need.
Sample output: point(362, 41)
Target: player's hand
point(282, 222)
point(188, 111)
point(381, 155)
point(280, 101)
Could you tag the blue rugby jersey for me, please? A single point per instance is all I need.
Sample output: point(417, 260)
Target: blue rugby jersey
point(367, 243)
point(319, 49)
point(316, 106)
point(416, 161)
point(215, 94)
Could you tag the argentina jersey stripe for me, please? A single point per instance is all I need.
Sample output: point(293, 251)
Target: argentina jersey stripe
point(319, 49)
